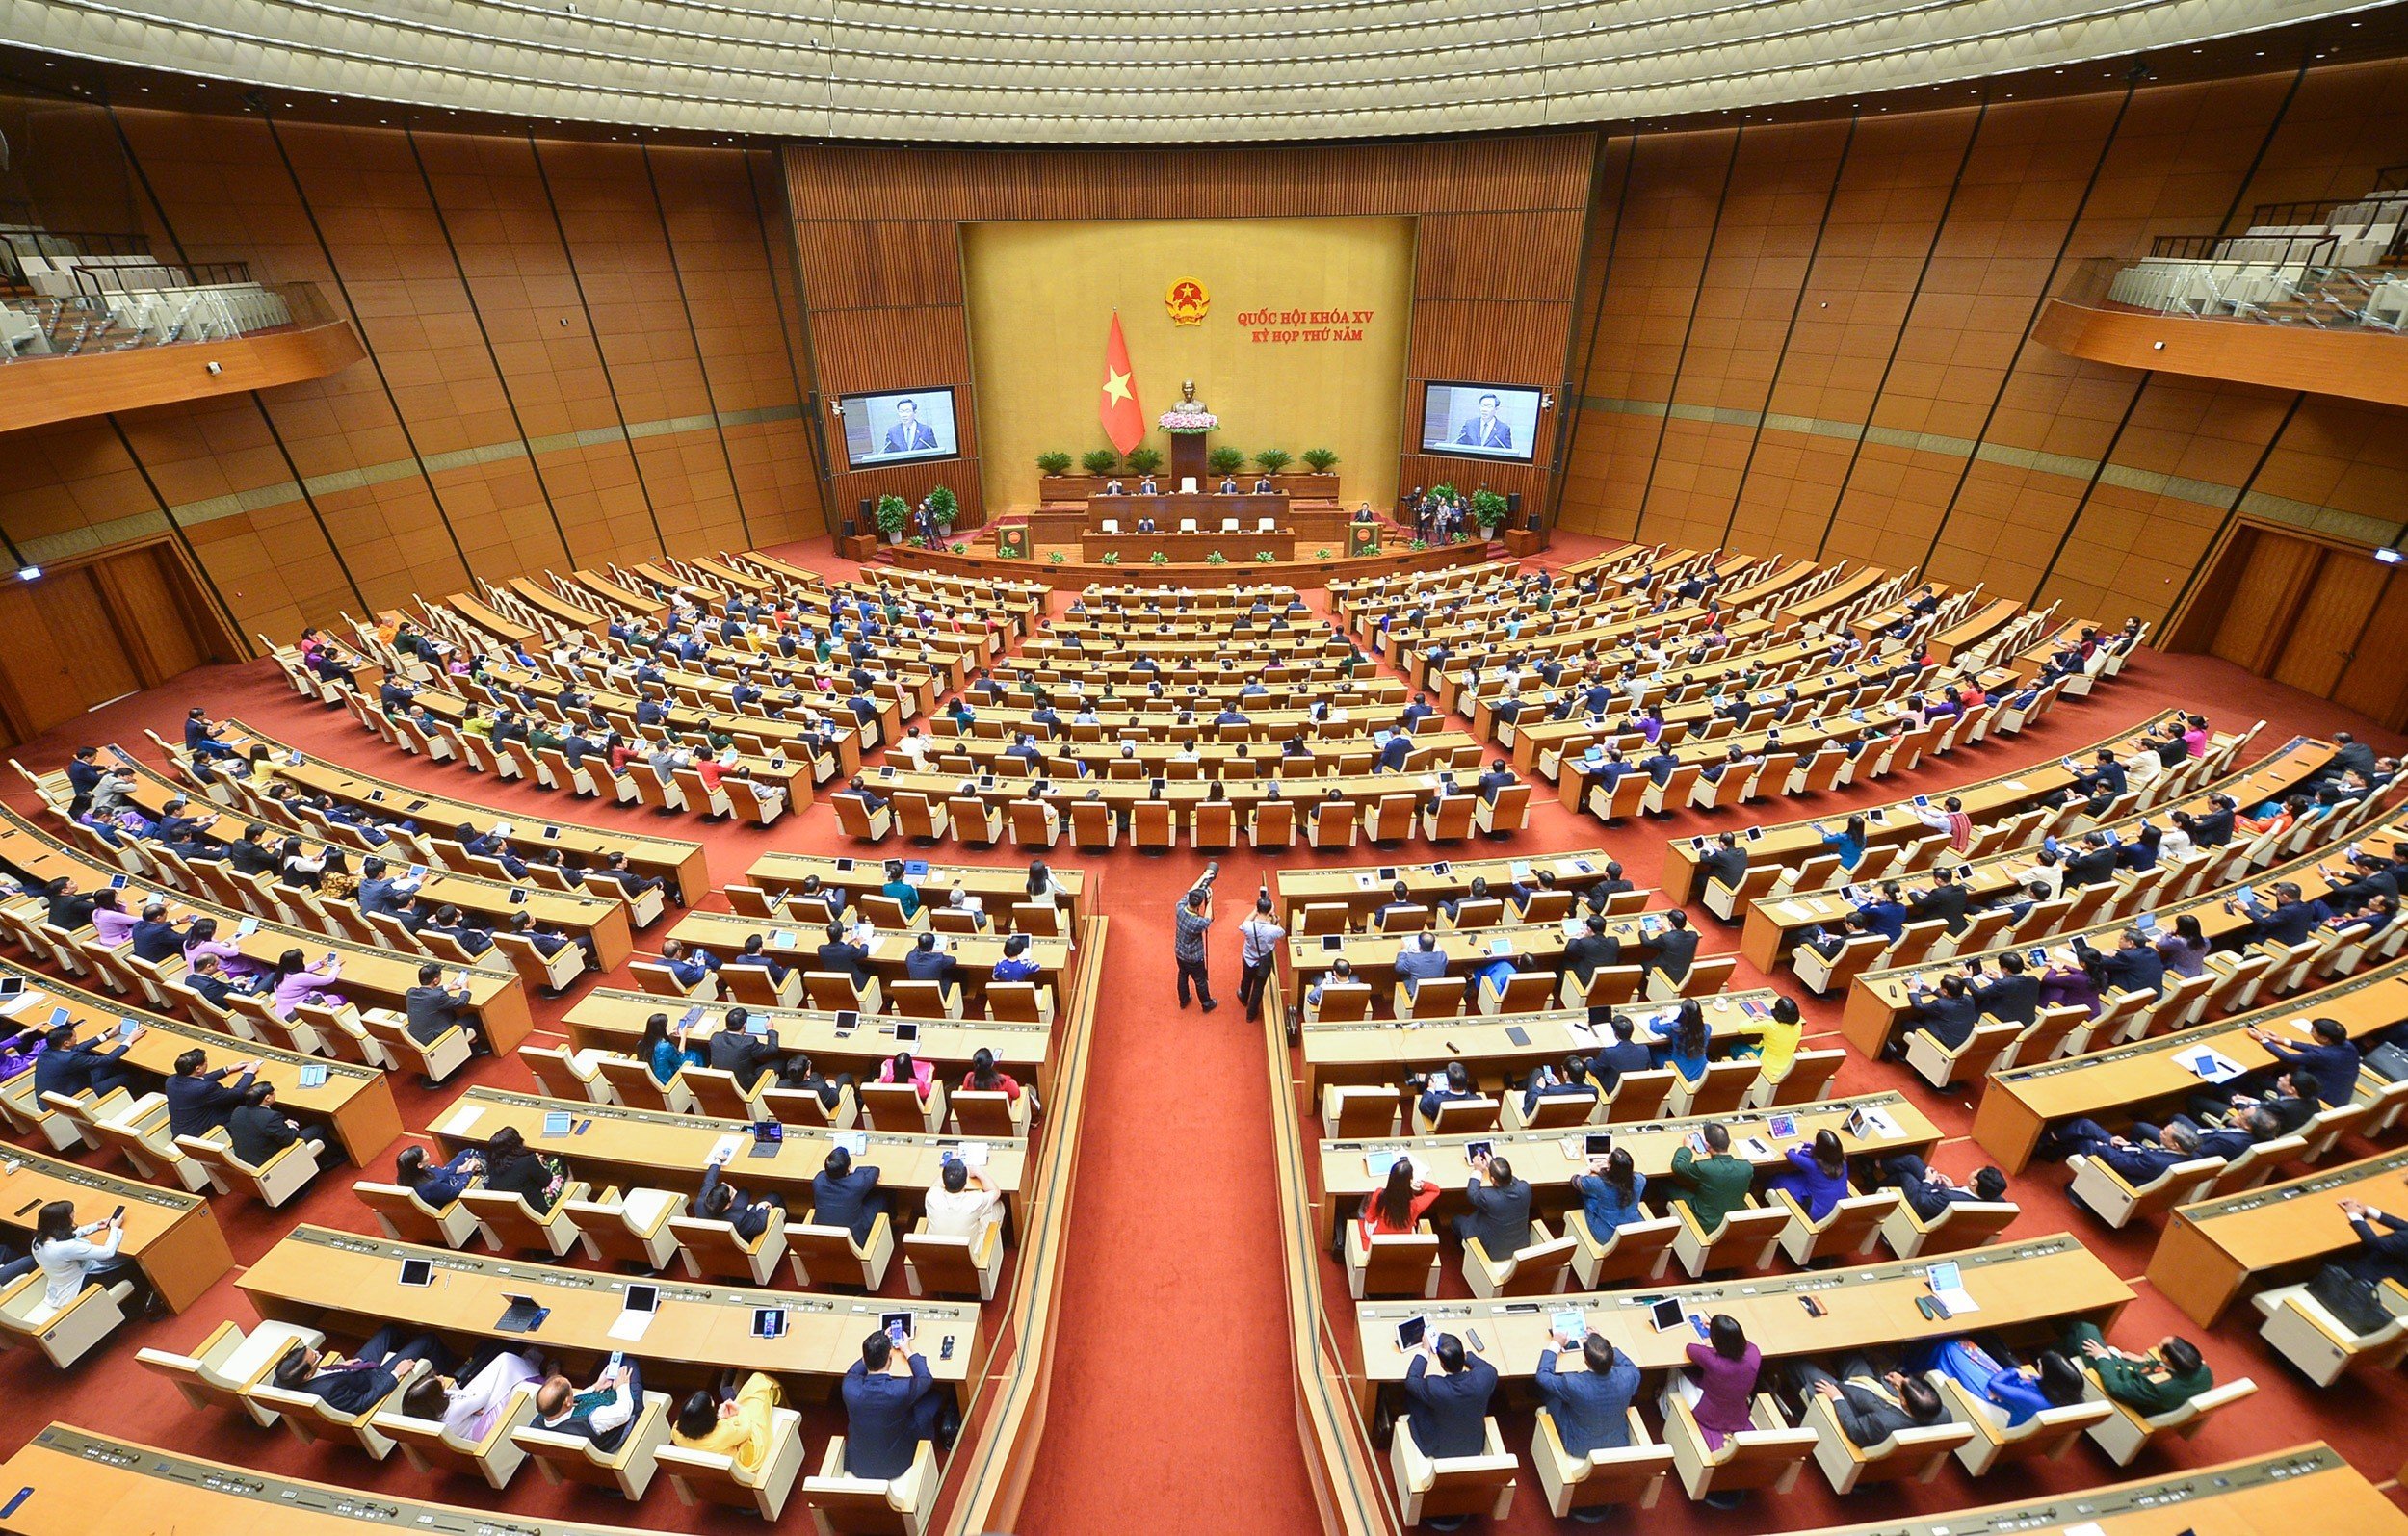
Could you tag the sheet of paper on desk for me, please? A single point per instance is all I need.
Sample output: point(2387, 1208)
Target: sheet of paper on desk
point(630, 1325)
point(854, 1143)
point(1581, 1033)
point(724, 1148)
point(1365, 882)
point(971, 1154)
point(1957, 1301)
point(1881, 1123)
point(1757, 1147)
point(2210, 1066)
point(459, 1121)
point(18, 1001)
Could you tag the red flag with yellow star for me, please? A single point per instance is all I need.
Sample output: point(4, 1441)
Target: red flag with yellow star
point(1123, 418)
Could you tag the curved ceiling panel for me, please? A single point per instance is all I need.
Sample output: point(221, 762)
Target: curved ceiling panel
point(1106, 73)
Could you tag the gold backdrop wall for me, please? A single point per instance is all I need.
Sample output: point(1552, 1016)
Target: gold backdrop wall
point(1042, 297)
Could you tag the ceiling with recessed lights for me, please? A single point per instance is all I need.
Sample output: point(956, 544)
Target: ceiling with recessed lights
point(1093, 72)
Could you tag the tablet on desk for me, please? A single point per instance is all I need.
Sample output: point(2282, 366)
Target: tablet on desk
point(690, 1017)
point(522, 1316)
point(1410, 1333)
point(907, 1031)
point(417, 1271)
point(11, 985)
point(641, 1298)
point(769, 1322)
point(897, 1325)
point(1666, 1314)
point(1596, 1143)
point(556, 1122)
point(313, 1076)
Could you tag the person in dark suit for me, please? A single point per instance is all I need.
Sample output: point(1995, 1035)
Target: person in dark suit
point(1885, 914)
point(1624, 1054)
point(1929, 1192)
point(909, 434)
point(2093, 863)
point(2332, 1060)
point(430, 1008)
point(200, 1102)
point(368, 1378)
point(1500, 1209)
point(2135, 1162)
point(1676, 948)
point(1946, 900)
point(2287, 922)
point(2382, 1252)
point(1591, 948)
point(2133, 964)
point(1724, 861)
point(1497, 778)
point(83, 776)
point(887, 1412)
point(928, 963)
point(1590, 1408)
point(1949, 1015)
point(2011, 996)
point(257, 1129)
point(742, 1054)
point(154, 937)
point(600, 1412)
point(1870, 1407)
point(721, 1201)
point(1447, 1413)
point(1486, 431)
point(846, 1195)
point(67, 1068)
point(847, 958)
point(751, 954)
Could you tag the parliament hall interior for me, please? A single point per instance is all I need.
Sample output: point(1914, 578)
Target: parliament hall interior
point(1309, 768)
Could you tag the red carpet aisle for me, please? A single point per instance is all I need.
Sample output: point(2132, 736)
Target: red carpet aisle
point(1171, 1408)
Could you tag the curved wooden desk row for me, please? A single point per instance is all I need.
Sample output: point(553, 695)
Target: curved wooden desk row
point(659, 1149)
point(1551, 1159)
point(2212, 1252)
point(1190, 689)
point(1183, 795)
point(998, 886)
point(79, 1481)
point(795, 946)
point(577, 914)
point(373, 977)
point(171, 1236)
point(1880, 1002)
point(2022, 1287)
point(1789, 843)
point(1158, 721)
point(1364, 888)
point(679, 862)
point(1344, 755)
point(1383, 1051)
point(355, 1101)
point(1771, 927)
point(606, 1019)
point(2117, 1085)
point(351, 1285)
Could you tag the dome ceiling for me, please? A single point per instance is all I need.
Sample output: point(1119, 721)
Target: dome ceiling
point(1104, 73)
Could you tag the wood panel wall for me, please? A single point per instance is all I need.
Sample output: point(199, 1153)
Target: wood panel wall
point(1499, 224)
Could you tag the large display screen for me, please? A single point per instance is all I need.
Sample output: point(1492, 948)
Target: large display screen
point(1481, 421)
point(899, 428)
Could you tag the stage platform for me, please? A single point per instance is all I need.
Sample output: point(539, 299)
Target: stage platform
point(1062, 564)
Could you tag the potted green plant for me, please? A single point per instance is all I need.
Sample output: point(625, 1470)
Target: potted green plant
point(1488, 510)
point(918, 541)
point(1055, 559)
point(893, 514)
point(961, 549)
point(1321, 555)
point(1264, 557)
point(1225, 460)
point(944, 506)
point(1418, 543)
point(1099, 460)
point(1053, 461)
point(1274, 459)
point(1443, 491)
point(1319, 460)
point(1143, 461)
point(1216, 558)
point(1110, 558)
point(1157, 558)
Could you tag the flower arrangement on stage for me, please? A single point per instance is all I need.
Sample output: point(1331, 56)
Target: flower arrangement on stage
point(1216, 558)
point(1157, 558)
point(1180, 420)
point(1264, 557)
point(1110, 558)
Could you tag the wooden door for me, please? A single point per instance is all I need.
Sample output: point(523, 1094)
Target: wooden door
point(2375, 682)
point(2263, 598)
point(2333, 614)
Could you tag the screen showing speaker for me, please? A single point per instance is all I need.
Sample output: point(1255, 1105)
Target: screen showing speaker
point(899, 428)
point(1479, 421)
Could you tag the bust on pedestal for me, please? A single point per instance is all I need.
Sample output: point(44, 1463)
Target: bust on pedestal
point(1188, 423)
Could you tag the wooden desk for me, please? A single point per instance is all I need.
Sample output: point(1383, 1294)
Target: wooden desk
point(1880, 1002)
point(553, 606)
point(658, 1149)
point(1551, 1159)
point(602, 918)
point(1364, 888)
point(642, 605)
point(1384, 1050)
point(1793, 842)
point(795, 946)
point(350, 1284)
point(2213, 1251)
point(357, 1100)
point(1207, 506)
point(680, 863)
point(1186, 549)
point(372, 977)
point(477, 612)
point(1373, 955)
point(2022, 1288)
point(171, 1236)
point(1212, 758)
point(608, 1020)
point(1000, 887)
point(2116, 1085)
point(1772, 928)
point(1183, 795)
point(797, 775)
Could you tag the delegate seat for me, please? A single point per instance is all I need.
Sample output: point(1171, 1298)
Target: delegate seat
point(845, 1505)
point(2043, 1436)
point(627, 1227)
point(429, 1446)
point(281, 1177)
point(2102, 1191)
point(940, 1265)
point(713, 1251)
point(833, 1256)
point(403, 1216)
point(626, 1472)
point(1539, 1267)
point(1746, 1239)
point(1436, 1487)
point(1906, 1455)
point(511, 1224)
point(223, 1367)
point(701, 1477)
point(2322, 1347)
point(2124, 1432)
point(1766, 1457)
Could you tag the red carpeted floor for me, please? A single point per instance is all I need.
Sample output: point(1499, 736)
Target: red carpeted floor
point(1171, 1405)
